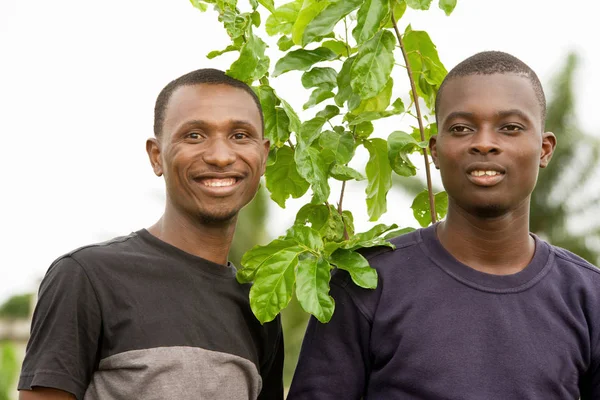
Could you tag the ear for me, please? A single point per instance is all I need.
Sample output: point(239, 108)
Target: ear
point(153, 150)
point(266, 149)
point(433, 150)
point(548, 146)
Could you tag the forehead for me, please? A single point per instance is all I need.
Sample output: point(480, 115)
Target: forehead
point(489, 94)
point(213, 103)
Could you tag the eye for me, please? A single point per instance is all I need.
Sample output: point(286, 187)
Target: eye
point(193, 136)
point(460, 129)
point(240, 135)
point(512, 128)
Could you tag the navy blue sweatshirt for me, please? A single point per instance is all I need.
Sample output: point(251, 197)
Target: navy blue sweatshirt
point(437, 329)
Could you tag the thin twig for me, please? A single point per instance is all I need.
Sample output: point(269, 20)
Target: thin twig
point(419, 119)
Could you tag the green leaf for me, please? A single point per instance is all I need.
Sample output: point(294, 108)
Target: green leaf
point(345, 173)
point(235, 23)
point(337, 148)
point(379, 176)
point(312, 288)
point(427, 69)
point(337, 46)
point(348, 219)
point(418, 4)
point(360, 271)
point(370, 238)
point(312, 168)
point(343, 82)
point(369, 18)
point(320, 94)
point(302, 60)
point(398, 232)
point(216, 53)
point(199, 5)
point(283, 18)
point(400, 145)
point(329, 112)
point(318, 76)
point(285, 43)
point(274, 284)
point(268, 4)
point(310, 131)
point(305, 236)
point(377, 103)
point(428, 132)
point(277, 122)
point(324, 22)
point(294, 120)
point(421, 211)
point(254, 4)
point(283, 179)
point(255, 18)
point(447, 6)
point(397, 108)
point(254, 258)
point(399, 7)
point(324, 219)
point(310, 9)
point(252, 63)
point(364, 129)
point(373, 65)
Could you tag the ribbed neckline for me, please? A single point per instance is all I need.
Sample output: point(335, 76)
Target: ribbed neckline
point(539, 266)
point(199, 262)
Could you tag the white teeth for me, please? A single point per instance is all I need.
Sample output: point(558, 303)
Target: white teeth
point(218, 182)
point(481, 173)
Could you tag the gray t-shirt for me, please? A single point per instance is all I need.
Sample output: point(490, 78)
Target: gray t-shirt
point(138, 318)
point(436, 329)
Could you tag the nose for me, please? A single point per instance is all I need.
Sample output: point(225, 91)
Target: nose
point(219, 153)
point(484, 142)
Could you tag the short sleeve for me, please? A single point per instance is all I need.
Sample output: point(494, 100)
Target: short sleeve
point(62, 351)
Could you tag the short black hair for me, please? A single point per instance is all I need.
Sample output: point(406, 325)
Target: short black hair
point(495, 62)
point(208, 76)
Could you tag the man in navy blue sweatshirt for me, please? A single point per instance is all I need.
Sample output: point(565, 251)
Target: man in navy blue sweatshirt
point(474, 307)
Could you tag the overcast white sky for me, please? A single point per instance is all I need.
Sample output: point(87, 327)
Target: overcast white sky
point(78, 81)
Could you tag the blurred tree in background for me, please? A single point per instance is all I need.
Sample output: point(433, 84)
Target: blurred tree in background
point(562, 192)
point(17, 307)
point(9, 366)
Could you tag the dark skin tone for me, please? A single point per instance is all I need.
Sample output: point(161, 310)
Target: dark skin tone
point(212, 154)
point(489, 148)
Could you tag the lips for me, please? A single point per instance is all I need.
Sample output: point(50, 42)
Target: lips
point(486, 174)
point(218, 184)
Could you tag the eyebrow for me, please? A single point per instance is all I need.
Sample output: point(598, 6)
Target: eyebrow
point(500, 114)
point(203, 123)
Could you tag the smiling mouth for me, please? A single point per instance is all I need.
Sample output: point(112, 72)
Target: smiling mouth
point(218, 182)
point(480, 172)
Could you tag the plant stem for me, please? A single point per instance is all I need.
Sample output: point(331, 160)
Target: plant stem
point(291, 144)
point(346, 237)
point(419, 119)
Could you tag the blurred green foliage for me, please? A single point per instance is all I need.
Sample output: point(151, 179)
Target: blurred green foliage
point(17, 307)
point(8, 369)
point(569, 176)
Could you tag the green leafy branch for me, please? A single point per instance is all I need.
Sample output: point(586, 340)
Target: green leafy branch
point(350, 78)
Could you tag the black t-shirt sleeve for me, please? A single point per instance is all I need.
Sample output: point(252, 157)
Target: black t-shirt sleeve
point(65, 331)
point(334, 359)
point(272, 372)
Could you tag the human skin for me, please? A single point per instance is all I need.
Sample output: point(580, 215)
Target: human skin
point(490, 123)
point(212, 154)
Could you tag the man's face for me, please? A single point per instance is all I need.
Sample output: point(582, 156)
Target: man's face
point(211, 151)
point(490, 144)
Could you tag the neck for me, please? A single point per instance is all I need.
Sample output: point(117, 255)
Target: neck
point(500, 245)
point(209, 241)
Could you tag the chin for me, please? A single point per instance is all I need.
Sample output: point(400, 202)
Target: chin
point(217, 218)
point(488, 211)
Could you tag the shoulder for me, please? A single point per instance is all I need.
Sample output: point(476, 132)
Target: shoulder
point(571, 262)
